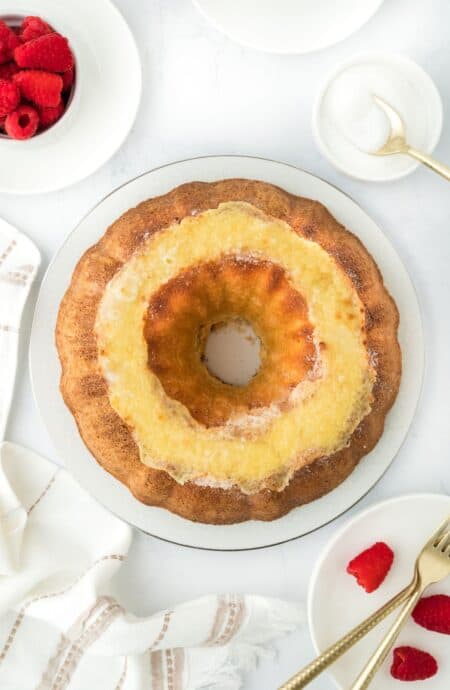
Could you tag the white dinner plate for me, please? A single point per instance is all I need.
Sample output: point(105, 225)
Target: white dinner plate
point(100, 114)
point(336, 603)
point(288, 26)
point(60, 423)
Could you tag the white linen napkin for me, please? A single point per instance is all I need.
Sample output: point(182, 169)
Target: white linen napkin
point(19, 262)
point(60, 628)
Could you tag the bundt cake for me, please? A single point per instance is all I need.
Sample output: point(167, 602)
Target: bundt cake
point(131, 336)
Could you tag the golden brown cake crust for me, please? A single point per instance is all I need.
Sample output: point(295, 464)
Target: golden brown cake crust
point(85, 391)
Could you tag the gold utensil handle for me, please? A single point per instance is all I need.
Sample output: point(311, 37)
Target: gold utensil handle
point(306, 675)
point(368, 673)
point(440, 168)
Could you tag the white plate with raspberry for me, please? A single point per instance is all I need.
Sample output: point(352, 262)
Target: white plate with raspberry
point(60, 131)
point(336, 602)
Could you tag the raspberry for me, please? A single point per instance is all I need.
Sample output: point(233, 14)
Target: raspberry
point(42, 88)
point(410, 663)
point(33, 27)
point(371, 566)
point(433, 613)
point(9, 97)
point(8, 70)
point(8, 42)
point(48, 116)
point(68, 78)
point(50, 52)
point(22, 123)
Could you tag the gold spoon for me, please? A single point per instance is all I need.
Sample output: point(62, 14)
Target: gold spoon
point(396, 142)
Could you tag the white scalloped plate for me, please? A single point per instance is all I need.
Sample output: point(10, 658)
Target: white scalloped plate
point(45, 369)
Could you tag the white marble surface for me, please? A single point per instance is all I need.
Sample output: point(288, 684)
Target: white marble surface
point(204, 94)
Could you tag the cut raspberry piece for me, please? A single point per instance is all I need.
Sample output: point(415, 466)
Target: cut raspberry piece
point(33, 27)
point(8, 42)
point(411, 664)
point(22, 123)
point(371, 566)
point(8, 70)
point(42, 88)
point(433, 613)
point(48, 116)
point(9, 97)
point(68, 78)
point(50, 52)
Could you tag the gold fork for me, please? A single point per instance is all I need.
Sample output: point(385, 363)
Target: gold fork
point(432, 565)
point(307, 674)
point(397, 143)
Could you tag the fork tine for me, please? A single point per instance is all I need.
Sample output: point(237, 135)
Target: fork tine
point(443, 542)
point(441, 530)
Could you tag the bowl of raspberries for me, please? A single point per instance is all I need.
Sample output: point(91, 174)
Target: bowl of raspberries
point(37, 77)
point(70, 88)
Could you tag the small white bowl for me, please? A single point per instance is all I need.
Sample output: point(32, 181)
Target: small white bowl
point(344, 156)
point(336, 603)
point(103, 107)
point(14, 20)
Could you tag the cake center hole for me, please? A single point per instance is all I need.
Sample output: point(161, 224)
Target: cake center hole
point(232, 352)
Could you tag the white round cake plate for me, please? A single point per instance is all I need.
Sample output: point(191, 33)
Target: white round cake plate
point(336, 603)
point(98, 118)
point(61, 425)
point(287, 26)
